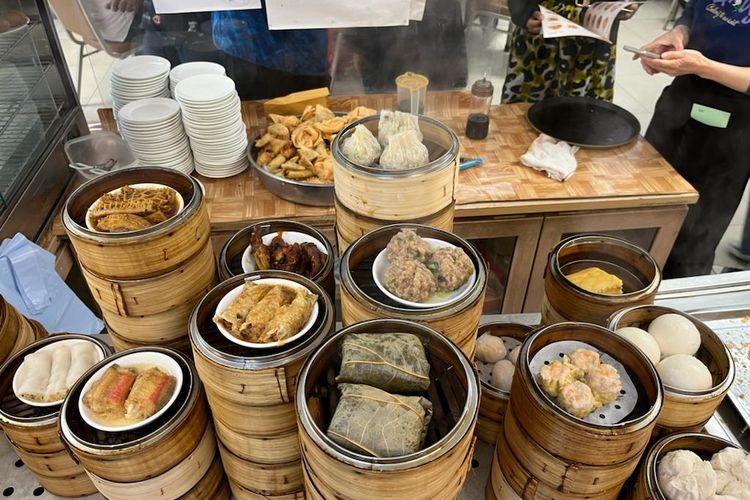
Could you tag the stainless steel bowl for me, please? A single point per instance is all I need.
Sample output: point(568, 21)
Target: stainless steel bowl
point(304, 193)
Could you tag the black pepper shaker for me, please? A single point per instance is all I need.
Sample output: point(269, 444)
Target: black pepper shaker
point(478, 124)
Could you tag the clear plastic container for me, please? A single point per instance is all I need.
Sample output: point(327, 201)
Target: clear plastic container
point(98, 153)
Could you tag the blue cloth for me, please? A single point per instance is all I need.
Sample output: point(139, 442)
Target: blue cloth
point(29, 282)
point(719, 29)
point(244, 34)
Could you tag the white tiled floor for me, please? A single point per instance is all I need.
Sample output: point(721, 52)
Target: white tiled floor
point(634, 89)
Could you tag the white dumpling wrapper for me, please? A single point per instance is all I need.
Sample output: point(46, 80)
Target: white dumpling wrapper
point(404, 151)
point(394, 122)
point(361, 147)
point(513, 355)
point(34, 375)
point(490, 348)
point(502, 375)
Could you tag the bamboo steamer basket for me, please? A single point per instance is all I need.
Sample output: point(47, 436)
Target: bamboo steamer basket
point(138, 254)
point(390, 195)
point(704, 445)
point(686, 411)
point(254, 421)
point(242, 493)
point(174, 483)
point(9, 320)
point(494, 401)
point(437, 471)
point(157, 294)
point(213, 485)
point(159, 329)
point(262, 479)
point(351, 225)
point(270, 449)
point(32, 431)
point(565, 301)
point(146, 452)
point(362, 300)
point(120, 343)
point(230, 259)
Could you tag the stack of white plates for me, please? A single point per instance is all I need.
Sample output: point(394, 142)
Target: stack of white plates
point(189, 69)
point(212, 117)
point(138, 77)
point(153, 129)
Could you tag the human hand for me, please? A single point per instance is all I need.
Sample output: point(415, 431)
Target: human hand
point(534, 24)
point(678, 62)
point(673, 40)
point(124, 5)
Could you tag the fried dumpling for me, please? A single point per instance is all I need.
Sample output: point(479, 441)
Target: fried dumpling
point(234, 316)
point(150, 392)
point(306, 136)
point(358, 113)
point(404, 151)
point(361, 147)
point(290, 319)
point(261, 314)
point(118, 223)
point(106, 397)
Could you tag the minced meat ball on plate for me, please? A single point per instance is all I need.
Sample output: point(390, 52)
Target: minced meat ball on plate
point(410, 280)
point(451, 267)
point(408, 245)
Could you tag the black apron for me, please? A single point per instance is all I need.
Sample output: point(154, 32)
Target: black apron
point(716, 161)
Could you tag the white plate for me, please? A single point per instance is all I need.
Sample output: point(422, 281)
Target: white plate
point(150, 111)
point(290, 237)
point(138, 359)
point(180, 202)
point(204, 89)
point(381, 265)
point(235, 292)
point(186, 70)
point(140, 68)
point(49, 347)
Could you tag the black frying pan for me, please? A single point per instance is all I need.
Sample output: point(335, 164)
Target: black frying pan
point(584, 121)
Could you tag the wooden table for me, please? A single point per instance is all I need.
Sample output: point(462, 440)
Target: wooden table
point(627, 190)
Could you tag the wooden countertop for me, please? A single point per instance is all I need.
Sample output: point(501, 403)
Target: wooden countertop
point(630, 176)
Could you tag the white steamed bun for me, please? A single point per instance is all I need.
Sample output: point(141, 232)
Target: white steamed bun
point(737, 489)
point(502, 375)
point(490, 349)
point(699, 483)
point(727, 458)
point(685, 372)
point(675, 334)
point(643, 341)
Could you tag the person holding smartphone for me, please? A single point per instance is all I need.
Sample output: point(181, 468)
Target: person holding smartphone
point(570, 66)
point(701, 123)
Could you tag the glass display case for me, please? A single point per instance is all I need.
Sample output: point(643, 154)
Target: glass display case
point(38, 110)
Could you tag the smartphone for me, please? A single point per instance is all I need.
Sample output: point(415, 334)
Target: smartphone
point(642, 53)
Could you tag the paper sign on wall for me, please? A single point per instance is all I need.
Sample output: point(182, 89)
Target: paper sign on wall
point(184, 6)
point(301, 14)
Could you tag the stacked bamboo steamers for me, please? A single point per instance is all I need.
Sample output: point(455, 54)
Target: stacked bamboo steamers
point(16, 331)
point(252, 391)
point(146, 281)
point(370, 197)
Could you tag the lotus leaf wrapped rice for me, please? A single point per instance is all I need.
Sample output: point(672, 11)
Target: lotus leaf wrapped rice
point(394, 362)
point(404, 151)
point(394, 122)
point(373, 422)
point(361, 147)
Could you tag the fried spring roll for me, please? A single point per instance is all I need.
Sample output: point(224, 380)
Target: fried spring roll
point(151, 391)
point(234, 315)
point(107, 395)
point(290, 320)
point(264, 311)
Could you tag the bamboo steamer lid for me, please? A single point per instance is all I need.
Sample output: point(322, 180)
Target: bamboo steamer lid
point(437, 471)
point(686, 411)
point(566, 301)
point(138, 454)
point(389, 195)
point(148, 252)
point(362, 300)
point(230, 258)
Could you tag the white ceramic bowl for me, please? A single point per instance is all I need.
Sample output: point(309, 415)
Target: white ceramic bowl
point(381, 265)
point(290, 237)
point(49, 347)
point(234, 293)
point(138, 359)
point(180, 203)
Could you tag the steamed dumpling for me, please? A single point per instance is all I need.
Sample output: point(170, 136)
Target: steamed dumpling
point(685, 372)
point(394, 122)
point(361, 147)
point(513, 355)
point(682, 475)
point(490, 349)
point(404, 151)
point(675, 334)
point(643, 341)
point(502, 375)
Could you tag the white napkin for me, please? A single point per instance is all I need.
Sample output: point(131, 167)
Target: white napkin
point(548, 155)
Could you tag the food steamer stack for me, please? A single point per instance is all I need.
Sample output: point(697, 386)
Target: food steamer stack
point(146, 281)
point(16, 331)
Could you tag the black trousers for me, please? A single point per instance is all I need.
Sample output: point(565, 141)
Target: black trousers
point(716, 161)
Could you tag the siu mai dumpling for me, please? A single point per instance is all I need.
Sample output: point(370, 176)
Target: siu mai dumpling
point(554, 376)
point(395, 122)
point(34, 375)
point(361, 147)
point(404, 151)
point(577, 399)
